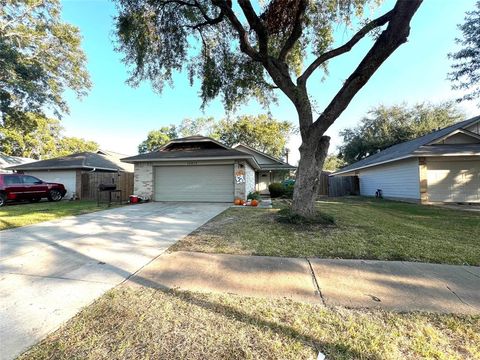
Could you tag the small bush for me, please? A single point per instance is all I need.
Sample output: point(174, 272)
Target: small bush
point(276, 190)
point(284, 189)
point(289, 190)
point(288, 216)
point(254, 195)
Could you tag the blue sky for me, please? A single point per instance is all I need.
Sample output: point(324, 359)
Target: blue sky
point(119, 117)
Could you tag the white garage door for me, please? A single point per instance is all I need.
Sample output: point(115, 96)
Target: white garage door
point(453, 181)
point(194, 183)
point(65, 177)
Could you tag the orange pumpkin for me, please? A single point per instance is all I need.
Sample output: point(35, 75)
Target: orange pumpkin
point(254, 202)
point(238, 201)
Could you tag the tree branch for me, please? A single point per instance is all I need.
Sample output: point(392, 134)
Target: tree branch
point(226, 7)
point(296, 30)
point(382, 20)
point(395, 35)
point(257, 25)
point(208, 20)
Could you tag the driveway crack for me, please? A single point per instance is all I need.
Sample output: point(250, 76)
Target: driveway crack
point(459, 298)
point(315, 282)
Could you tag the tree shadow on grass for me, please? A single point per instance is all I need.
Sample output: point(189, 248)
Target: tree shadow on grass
point(333, 350)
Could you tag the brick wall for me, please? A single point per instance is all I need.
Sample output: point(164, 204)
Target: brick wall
point(143, 180)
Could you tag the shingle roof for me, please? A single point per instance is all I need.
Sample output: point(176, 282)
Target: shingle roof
point(188, 154)
point(408, 148)
point(83, 160)
point(7, 160)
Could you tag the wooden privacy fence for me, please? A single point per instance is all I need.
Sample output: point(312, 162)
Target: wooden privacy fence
point(91, 181)
point(343, 185)
point(323, 188)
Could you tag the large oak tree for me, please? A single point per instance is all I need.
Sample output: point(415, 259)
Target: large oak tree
point(40, 58)
point(245, 50)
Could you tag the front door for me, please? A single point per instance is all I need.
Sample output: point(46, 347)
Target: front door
point(263, 182)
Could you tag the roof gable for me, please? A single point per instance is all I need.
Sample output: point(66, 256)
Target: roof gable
point(265, 161)
point(459, 136)
point(194, 142)
point(408, 148)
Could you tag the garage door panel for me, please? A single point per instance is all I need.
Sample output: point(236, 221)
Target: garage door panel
point(194, 183)
point(453, 181)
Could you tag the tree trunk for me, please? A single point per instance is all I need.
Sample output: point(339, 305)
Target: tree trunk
point(312, 155)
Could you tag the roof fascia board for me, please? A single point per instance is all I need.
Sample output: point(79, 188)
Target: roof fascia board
point(259, 152)
point(250, 159)
point(376, 164)
point(18, 168)
point(454, 132)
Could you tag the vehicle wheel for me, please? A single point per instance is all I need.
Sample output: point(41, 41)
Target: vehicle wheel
point(54, 195)
point(35, 200)
point(3, 199)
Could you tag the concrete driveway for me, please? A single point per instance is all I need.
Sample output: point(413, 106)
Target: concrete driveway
point(49, 271)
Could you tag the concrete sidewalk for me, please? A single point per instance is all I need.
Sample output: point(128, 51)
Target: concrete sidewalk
point(389, 285)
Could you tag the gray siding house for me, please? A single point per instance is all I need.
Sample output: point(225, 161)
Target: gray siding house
point(443, 166)
point(199, 168)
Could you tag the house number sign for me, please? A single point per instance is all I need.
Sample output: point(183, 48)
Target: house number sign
point(239, 177)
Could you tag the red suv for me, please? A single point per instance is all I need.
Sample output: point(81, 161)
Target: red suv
point(27, 187)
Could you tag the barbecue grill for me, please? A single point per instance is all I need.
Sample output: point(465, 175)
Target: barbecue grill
point(108, 189)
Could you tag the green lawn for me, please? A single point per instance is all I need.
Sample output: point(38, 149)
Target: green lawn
point(363, 229)
point(16, 215)
point(142, 323)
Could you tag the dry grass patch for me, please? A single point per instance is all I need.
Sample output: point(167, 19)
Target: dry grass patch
point(362, 229)
point(16, 215)
point(142, 323)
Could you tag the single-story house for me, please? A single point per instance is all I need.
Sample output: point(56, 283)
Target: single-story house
point(68, 170)
point(199, 168)
point(7, 161)
point(442, 166)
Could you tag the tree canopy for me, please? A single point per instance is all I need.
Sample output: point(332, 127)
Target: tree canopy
point(40, 57)
point(466, 66)
point(242, 50)
point(333, 163)
point(261, 132)
point(157, 138)
point(385, 126)
point(39, 138)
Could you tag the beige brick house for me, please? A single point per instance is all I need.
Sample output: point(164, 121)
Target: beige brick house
point(199, 168)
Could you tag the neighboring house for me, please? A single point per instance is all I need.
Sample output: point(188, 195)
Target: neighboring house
point(198, 168)
point(443, 166)
point(7, 161)
point(68, 170)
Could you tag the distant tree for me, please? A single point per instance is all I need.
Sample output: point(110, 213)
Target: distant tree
point(333, 163)
point(200, 126)
point(40, 138)
point(69, 145)
point(386, 126)
point(466, 67)
point(40, 57)
point(157, 138)
point(260, 132)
